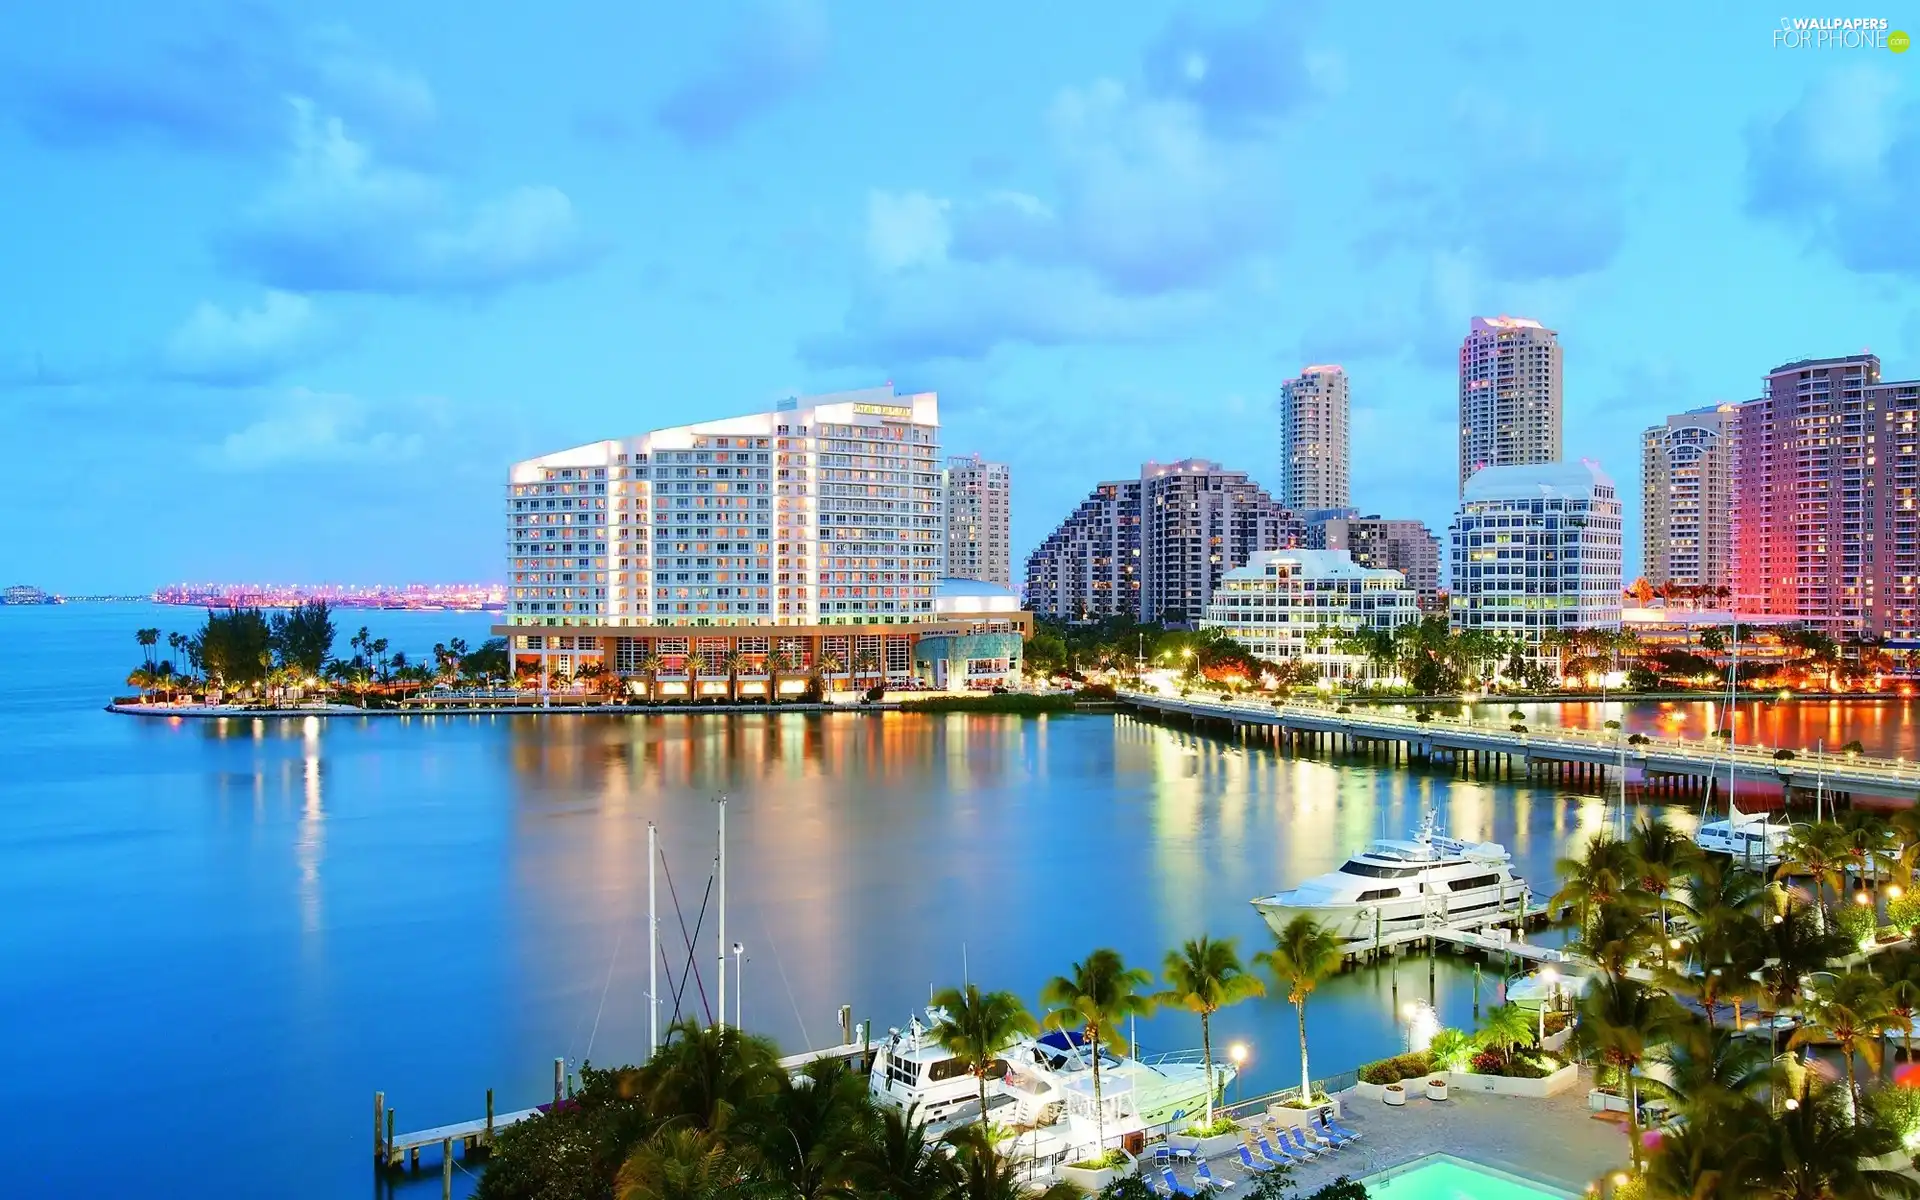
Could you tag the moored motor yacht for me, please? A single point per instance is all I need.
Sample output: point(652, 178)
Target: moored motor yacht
point(1399, 884)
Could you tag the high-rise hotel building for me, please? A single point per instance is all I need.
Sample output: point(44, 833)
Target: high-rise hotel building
point(1315, 451)
point(1089, 567)
point(1686, 477)
point(979, 520)
point(1826, 474)
point(815, 531)
point(1510, 395)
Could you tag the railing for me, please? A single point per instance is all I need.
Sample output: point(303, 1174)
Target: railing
point(1748, 757)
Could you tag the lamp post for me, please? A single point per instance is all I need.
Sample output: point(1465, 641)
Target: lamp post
point(1237, 1054)
point(739, 962)
point(1550, 977)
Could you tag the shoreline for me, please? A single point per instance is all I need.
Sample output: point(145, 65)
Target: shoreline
point(207, 712)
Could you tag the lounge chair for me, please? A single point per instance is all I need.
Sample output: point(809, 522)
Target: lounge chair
point(1301, 1145)
point(1204, 1176)
point(1342, 1130)
point(1256, 1165)
point(1162, 1155)
point(1327, 1133)
point(1278, 1152)
point(1174, 1186)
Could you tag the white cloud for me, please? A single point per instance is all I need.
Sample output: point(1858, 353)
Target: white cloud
point(302, 427)
point(339, 219)
point(215, 345)
point(906, 229)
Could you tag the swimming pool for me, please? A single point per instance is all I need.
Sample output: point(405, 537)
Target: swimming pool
point(1444, 1177)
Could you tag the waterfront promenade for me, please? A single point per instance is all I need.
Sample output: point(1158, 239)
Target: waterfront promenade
point(1497, 745)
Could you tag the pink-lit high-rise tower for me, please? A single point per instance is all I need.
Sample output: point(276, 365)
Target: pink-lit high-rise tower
point(1825, 483)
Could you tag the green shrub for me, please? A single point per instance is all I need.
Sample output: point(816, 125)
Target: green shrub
point(1097, 691)
point(1128, 1187)
point(1220, 1125)
point(1112, 1158)
point(1423, 715)
point(1450, 1050)
point(1904, 912)
point(1342, 1188)
point(1898, 1108)
point(1400, 1066)
point(1857, 921)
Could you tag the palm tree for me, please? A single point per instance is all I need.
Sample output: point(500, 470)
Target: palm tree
point(866, 662)
point(902, 1164)
point(679, 1164)
point(142, 678)
point(148, 639)
point(1662, 856)
point(1504, 1028)
point(1620, 1020)
point(1205, 976)
point(975, 1026)
point(1698, 1163)
point(1602, 874)
point(651, 666)
point(1710, 1071)
point(696, 665)
point(1814, 850)
point(780, 664)
point(814, 1132)
point(1616, 936)
point(1811, 1151)
point(1303, 954)
point(711, 1077)
point(1851, 1010)
point(1794, 948)
point(983, 1174)
point(1097, 996)
point(1903, 996)
point(827, 667)
point(1726, 899)
point(733, 664)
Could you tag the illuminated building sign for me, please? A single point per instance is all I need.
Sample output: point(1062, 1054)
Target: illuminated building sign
point(884, 410)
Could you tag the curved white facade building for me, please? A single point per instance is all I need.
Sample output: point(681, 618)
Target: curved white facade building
point(1536, 548)
point(1294, 604)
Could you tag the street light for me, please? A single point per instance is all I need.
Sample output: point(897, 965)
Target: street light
point(739, 962)
point(1237, 1054)
point(1550, 977)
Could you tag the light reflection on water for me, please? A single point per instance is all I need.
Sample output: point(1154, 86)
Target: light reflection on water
point(258, 923)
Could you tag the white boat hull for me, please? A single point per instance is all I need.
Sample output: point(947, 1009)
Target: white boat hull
point(1356, 923)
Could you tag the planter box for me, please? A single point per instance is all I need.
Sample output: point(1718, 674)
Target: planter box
point(1092, 1181)
point(1368, 1091)
point(1394, 1094)
point(1282, 1114)
point(1207, 1147)
point(1600, 1101)
point(1554, 1043)
point(1437, 1087)
point(1502, 1085)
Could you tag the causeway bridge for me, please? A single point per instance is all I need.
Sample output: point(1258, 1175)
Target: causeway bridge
point(1494, 747)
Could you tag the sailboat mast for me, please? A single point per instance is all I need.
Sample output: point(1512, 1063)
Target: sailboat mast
point(653, 941)
point(720, 1010)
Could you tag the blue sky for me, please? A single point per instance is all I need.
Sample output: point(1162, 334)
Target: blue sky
point(284, 296)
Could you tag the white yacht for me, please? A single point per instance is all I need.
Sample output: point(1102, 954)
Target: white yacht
point(1396, 885)
point(1042, 1088)
point(911, 1068)
point(1746, 837)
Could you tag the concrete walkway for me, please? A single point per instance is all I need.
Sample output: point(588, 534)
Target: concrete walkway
point(1555, 1141)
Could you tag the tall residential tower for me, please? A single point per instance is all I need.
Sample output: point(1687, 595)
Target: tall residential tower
point(1315, 454)
point(1826, 477)
point(1509, 395)
point(979, 520)
point(1687, 498)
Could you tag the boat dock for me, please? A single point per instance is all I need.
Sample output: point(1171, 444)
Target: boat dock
point(1492, 749)
point(1494, 933)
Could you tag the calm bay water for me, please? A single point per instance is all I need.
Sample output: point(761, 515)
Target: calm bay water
point(223, 937)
